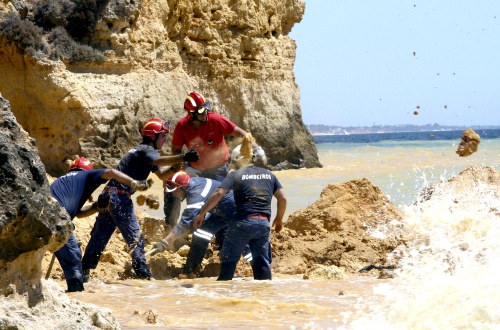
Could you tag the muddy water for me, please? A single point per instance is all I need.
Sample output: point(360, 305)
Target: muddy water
point(423, 296)
point(285, 302)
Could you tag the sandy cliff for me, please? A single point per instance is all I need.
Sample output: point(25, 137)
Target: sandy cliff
point(32, 223)
point(237, 53)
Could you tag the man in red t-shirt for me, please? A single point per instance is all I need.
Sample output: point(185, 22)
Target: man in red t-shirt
point(203, 131)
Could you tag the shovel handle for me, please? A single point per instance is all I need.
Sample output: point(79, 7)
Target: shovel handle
point(50, 266)
point(153, 251)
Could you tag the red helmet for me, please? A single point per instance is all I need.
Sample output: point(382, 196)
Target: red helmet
point(180, 179)
point(196, 102)
point(153, 126)
point(81, 164)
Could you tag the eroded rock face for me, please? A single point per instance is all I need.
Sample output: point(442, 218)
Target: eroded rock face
point(237, 54)
point(31, 222)
point(352, 225)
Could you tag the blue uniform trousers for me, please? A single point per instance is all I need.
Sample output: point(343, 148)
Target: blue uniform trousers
point(255, 233)
point(70, 258)
point(120, 213)
point(202, 237)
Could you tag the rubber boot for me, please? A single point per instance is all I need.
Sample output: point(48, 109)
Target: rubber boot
point(227, 270)
point(75, 285)
point(86, 275)
point(195, 255)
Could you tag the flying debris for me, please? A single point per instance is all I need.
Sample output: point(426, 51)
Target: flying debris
point(415, 113)
point(468, 144)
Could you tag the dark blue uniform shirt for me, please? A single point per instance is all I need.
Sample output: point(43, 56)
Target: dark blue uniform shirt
point(253, 189)
point(138, 164)
point(74, 188)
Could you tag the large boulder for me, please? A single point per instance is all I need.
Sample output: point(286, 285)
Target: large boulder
point(31, 224)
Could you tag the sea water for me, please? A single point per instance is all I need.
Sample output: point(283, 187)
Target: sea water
point(400, 164)
point(440, 284)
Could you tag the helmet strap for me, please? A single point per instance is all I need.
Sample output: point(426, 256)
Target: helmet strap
point(157, 135)
point(148, 141)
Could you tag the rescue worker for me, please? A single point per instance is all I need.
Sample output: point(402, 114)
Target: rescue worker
point(253, 189)
point(196, 191)
point(138, 163)
point(72, 191)
point(203, 131)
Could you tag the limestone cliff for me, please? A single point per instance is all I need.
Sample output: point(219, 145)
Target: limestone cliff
point(237, 53)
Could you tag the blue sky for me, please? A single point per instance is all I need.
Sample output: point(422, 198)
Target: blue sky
point(364, 63)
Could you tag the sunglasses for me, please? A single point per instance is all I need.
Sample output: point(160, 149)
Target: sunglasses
point(203, 108)
point(166, 127)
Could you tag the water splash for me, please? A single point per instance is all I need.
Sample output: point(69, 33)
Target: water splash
point(447, 275)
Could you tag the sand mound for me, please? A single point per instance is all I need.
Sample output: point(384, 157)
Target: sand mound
point(352, 224)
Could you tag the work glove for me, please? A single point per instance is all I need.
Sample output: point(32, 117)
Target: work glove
point(259, 153)
point(161, 246)
point(102, 202)
point(141, 185)
point(190, 156)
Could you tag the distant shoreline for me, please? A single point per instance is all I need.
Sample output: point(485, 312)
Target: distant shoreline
point(323, 130)
point(383, 132)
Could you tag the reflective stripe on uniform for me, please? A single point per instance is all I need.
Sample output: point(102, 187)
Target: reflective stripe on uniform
point(203, 234)
point(248, 257)
point(206, 190)
point(195, 205)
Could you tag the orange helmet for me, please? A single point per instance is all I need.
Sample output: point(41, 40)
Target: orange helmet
point(180, 179)
point(196, 102)
point(154, 126)
point(81, 164)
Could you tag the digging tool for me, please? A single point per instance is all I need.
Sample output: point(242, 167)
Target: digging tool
point(160, 246)
point(153, 251)
point(50, 266)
